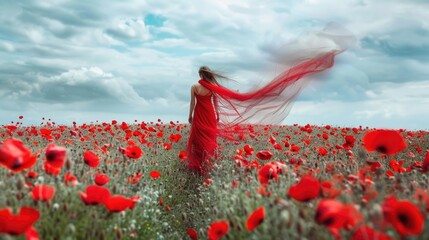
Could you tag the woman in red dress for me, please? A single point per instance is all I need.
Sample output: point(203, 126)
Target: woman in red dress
point(218, 111)
point(203, 116)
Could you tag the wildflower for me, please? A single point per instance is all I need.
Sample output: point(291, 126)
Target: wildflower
point(133, 152)
point(95, 195)
point(15, 156)
point(55, 155)
point(256, 218)
point(217, 230)
point(101, 179)
point(387, 142)
point(91, 159)
point(17, 224)
point(43, 193)
point(308, 188)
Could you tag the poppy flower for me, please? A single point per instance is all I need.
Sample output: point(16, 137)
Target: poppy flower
point(49, 169)
point(264, 155)
point(135, 178)
point(17, 224)
point(397, 165)
point(404, 216)
point(294, 148)
point(15, 156)
point(192, 234)
point(267, 172)
point(329, 190)
point(387, 142)
point(101, 179)
point(32, 174)
point(182, 155)
point(118, 203)
point(55, 155)
point(334, 215)
point(248, 149)
point(322, 151)
point(155, 174)
point(31, 234)
point(70, 180)
point(94, 195)
point(349, 141)
point(256, 218)
point(91, 159)
point(367, 233)
point(174, 138)
point(43, 192)
point(166, 146)
point(308, 188)
point(217, 230)
point(133, 152)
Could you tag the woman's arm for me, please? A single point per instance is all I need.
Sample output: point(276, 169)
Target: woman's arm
point(192, 104)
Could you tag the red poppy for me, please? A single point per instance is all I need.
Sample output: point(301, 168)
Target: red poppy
point(387, 142)
point(15, 156)
point(174, 138)
point(101, 179)
point(182, 155)
point(256, 218)
point(91, 159)
point(70, 180)
point(332, 214)
point(264, 155)
point(49, 169)
point(267, 172)
point(192, 234)
point(118, 203)
point(404, 216)
point(133, 152)
point(95, 195)
point(155, 174)
point(367, 233)
point(166, 146)
point(17, 224)
point(55, 155)
point(31, 234)
point(308, 188)
point(248, 149)
point(397, 165)
point(32, 174)
point(329, 190)
point(135, 178)
point(217, 230)
point(43, 192)
point(349, 141)
point(322, 151)
point(294, 148)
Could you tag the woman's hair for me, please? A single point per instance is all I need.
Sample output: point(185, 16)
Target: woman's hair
point(209, 75)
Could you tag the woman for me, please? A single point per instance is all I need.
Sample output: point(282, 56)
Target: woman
point(218, 111)
point(203, 116)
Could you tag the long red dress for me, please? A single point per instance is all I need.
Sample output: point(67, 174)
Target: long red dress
point(269, 104)
point(202, 140)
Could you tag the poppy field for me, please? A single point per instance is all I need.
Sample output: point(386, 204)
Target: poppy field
point(111, 180)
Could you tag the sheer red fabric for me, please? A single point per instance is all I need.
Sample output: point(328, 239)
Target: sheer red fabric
point(269, 104)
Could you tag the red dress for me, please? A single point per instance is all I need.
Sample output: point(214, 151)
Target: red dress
point(202, 140)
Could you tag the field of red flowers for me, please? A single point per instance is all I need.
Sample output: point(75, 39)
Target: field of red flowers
point(129, 181)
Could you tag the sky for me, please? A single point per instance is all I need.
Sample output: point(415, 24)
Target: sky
point(89, 61)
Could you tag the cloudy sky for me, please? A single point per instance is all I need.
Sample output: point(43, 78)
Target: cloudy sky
point(101, 60)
